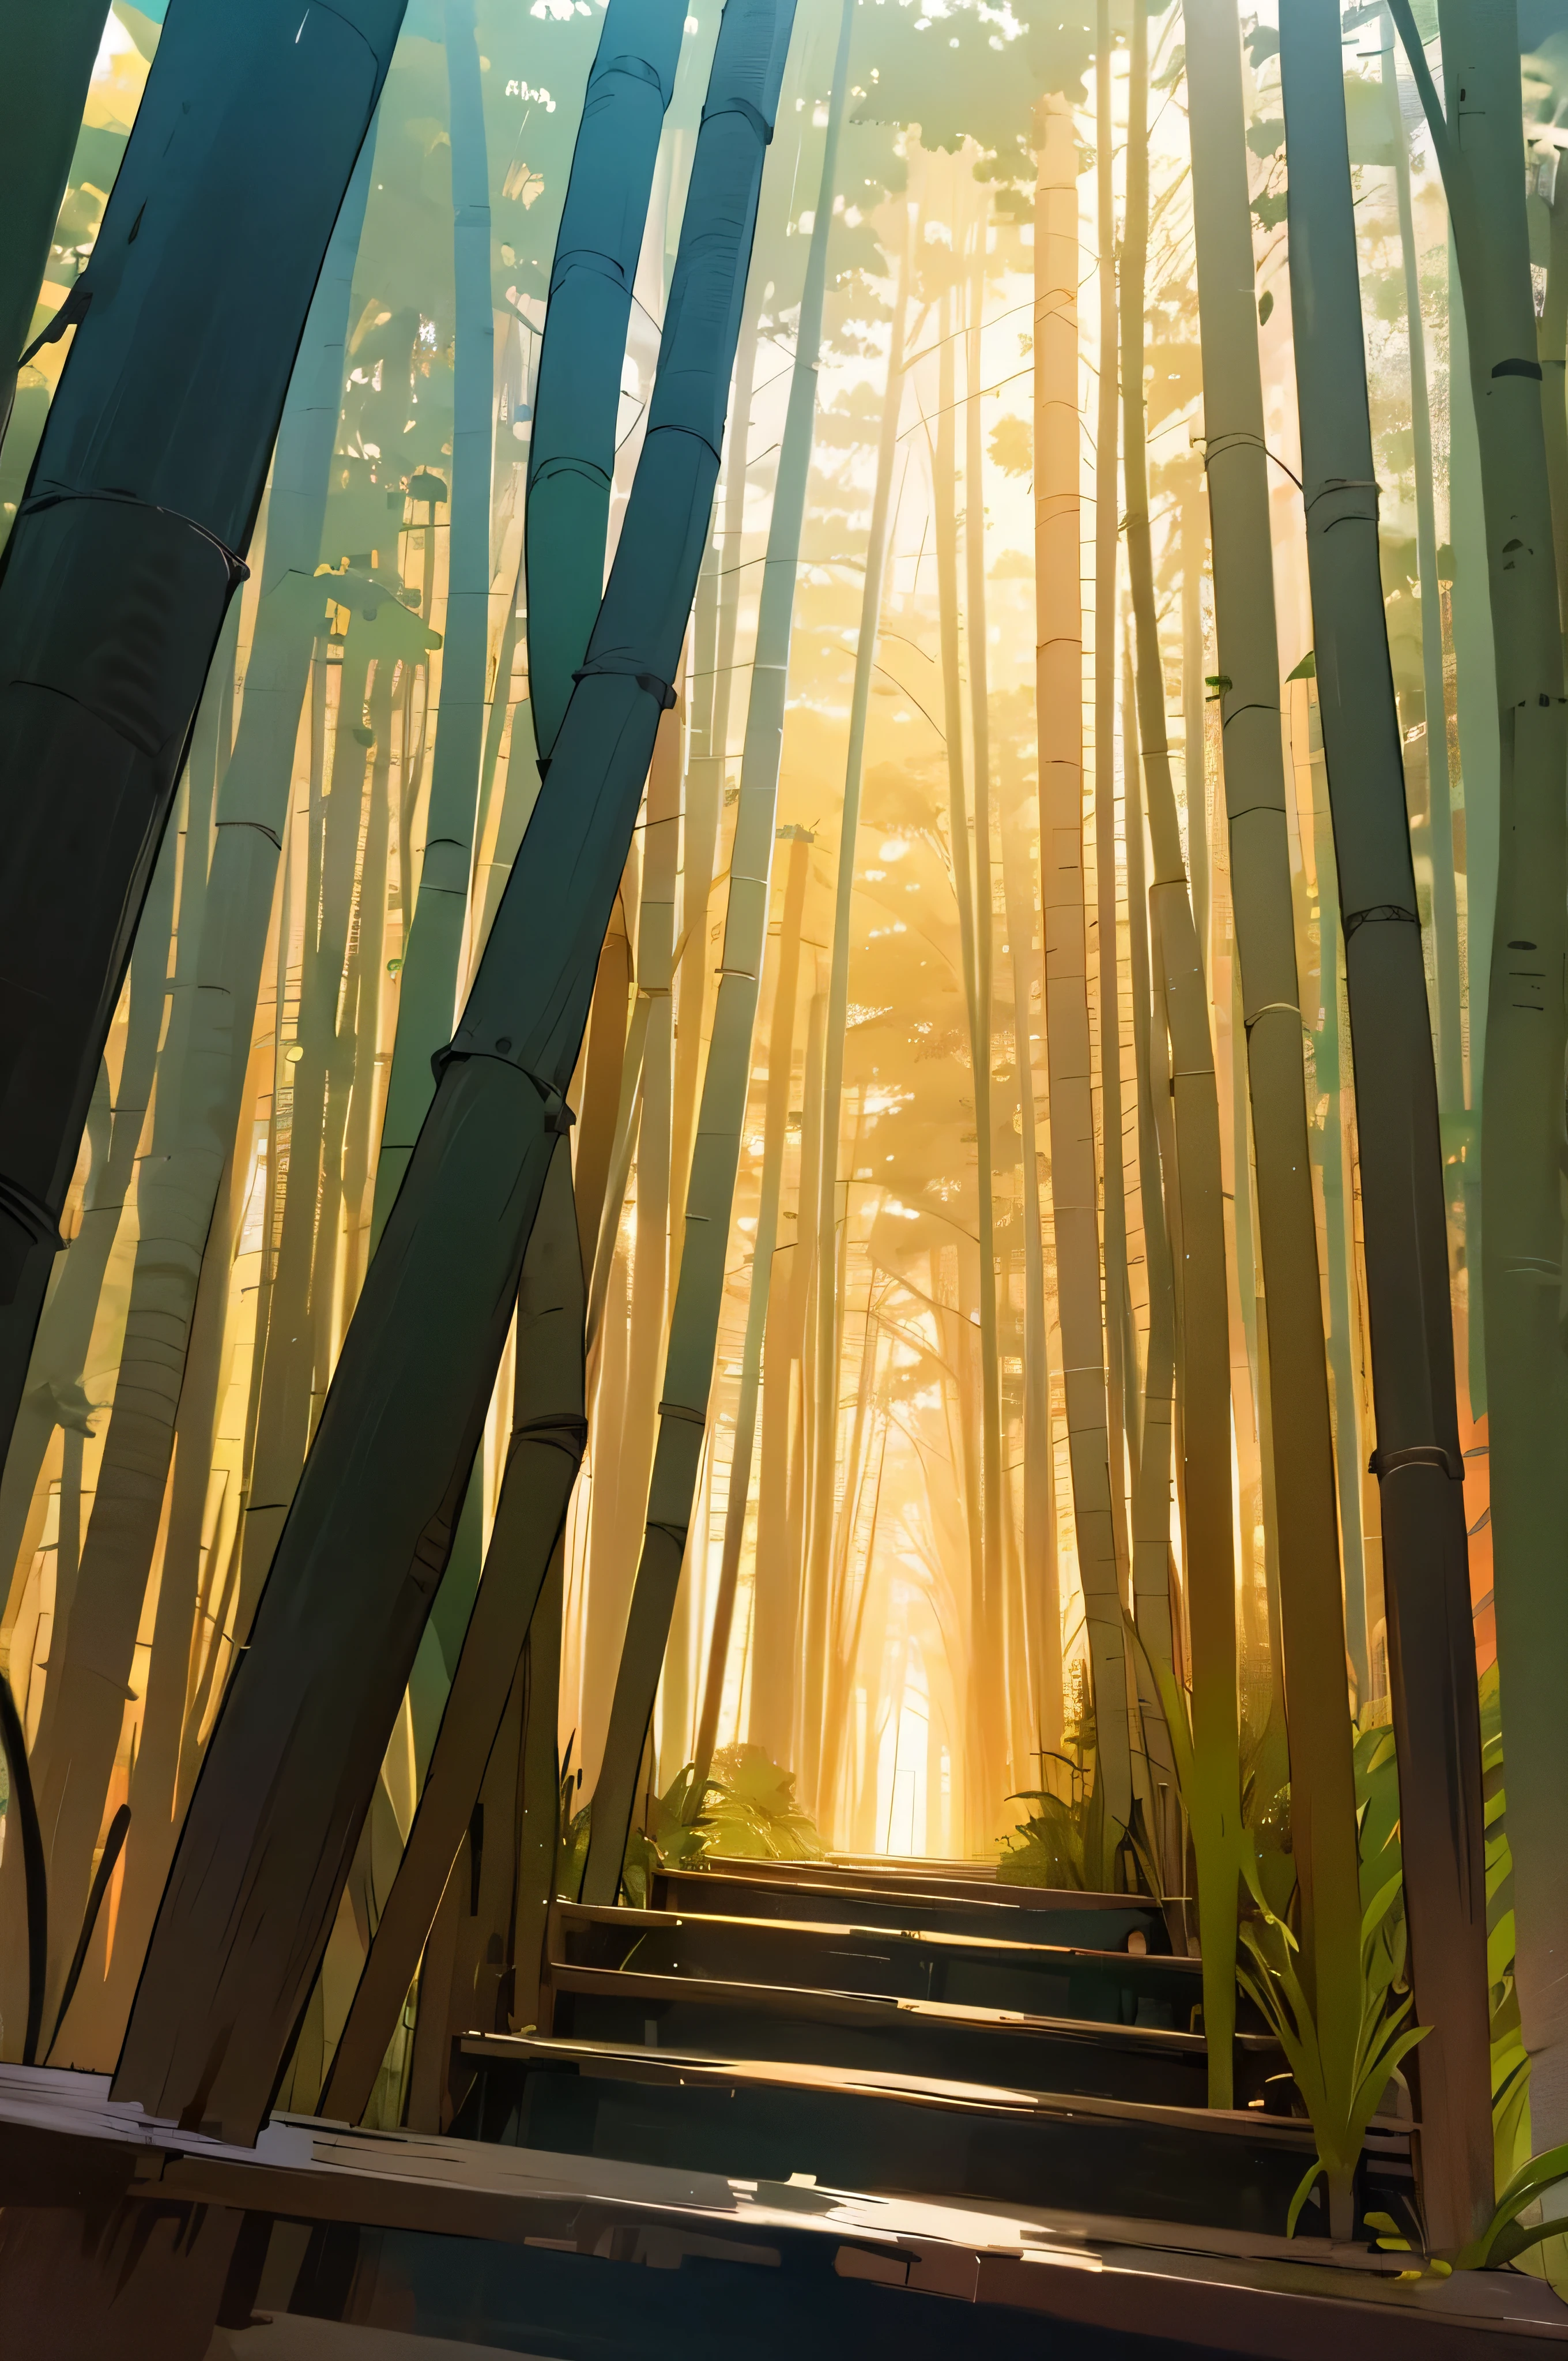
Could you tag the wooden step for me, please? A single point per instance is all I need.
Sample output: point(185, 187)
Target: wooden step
point(777, 2120)
point(898, 1963)
point(861, 2032)
point(804, 1891)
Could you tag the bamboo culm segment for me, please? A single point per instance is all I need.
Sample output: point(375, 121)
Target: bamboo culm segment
point(570, 454)
point(127, 545)
point(1074, 1181)
point(1418, 1463)
point(49, 54)
point(294, 1760)
point(694, 1320)
point(1323, 1791)
point(200, 1080)
point(427, 985)
point(1197, 1211)
point(545, 1452)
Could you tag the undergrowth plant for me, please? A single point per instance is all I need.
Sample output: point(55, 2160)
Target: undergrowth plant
point(745, 1809)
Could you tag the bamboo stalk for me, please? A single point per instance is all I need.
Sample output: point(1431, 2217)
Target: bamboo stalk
point(1323, 1798)
point(138, 507)
point(1527, 1373)
point(1074, 1194)
point(571, 456)
point(244, 1921)
point(820, 1369)
point(990, 1655)
point(433, 940)
point(50, 56)
point(1198, 1217)
point(542, 1458)
point(1418, 1460)
point(764, 1247)
point(1439, 819)
point(694, 1321)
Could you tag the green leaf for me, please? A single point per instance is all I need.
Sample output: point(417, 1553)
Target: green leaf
point(1300, 2196)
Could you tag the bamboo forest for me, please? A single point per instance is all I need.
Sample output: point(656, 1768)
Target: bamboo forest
point(784, 1176)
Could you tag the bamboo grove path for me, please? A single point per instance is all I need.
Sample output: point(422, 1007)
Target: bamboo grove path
point(867, 2106)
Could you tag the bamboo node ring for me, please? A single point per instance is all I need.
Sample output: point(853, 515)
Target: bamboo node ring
point(1414, 1455)
point(648, 682)
point(238, 570)
point(758, 121)
point(1379, 913)
point(30, 1213)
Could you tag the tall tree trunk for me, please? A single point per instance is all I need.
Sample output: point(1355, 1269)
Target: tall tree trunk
point(1418, 1461)
point(49, 55)
point(1323, 1791)
point(116, 580)
point(1198, 1214)
point(1058, 697)
point(427, 981)
point(1480, 149)
point(694, 1320)
point(271, 1830)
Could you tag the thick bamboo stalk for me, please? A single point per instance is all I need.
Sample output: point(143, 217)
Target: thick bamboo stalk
point(1198, 1212)
point(571, 456)
point(694, 1321)
point(427, 982)
point(202, 1060)
point(1479, 147)
point(271, 1830)
point(143, 492)
point(1418, 1460)
point(542, 1458)
point(1059, 697)
point(49, 54)
point(1323, 1798)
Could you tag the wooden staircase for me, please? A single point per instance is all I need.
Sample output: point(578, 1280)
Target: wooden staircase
point(904, 2032)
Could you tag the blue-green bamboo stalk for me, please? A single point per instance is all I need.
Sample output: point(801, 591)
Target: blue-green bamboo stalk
point(126, 551)
point(694, 1322)
point(292, 1763)
point(49, 56)
point(570, 454)
point(427, 982)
